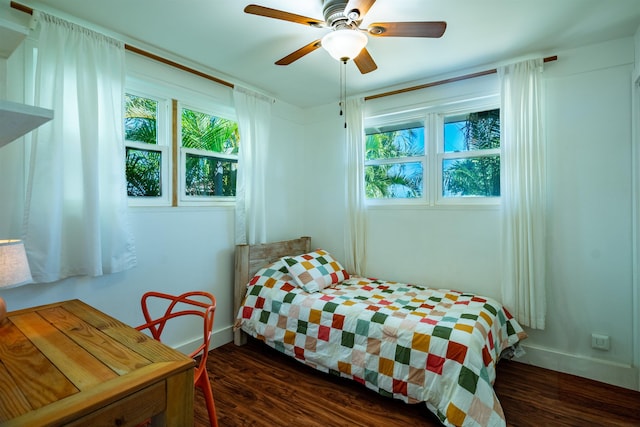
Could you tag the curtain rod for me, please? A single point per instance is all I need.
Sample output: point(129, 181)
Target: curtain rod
point(441, 82)
point(27, 9)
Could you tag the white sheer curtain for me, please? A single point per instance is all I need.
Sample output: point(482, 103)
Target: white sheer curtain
point(75, 211)
point(356, 222)
point(254, 123)
point(523, 192)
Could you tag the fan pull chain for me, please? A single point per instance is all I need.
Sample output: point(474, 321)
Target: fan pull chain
point(341, 86)
point(343, 91)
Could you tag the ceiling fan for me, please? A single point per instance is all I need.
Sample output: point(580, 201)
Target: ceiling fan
point(346, 39)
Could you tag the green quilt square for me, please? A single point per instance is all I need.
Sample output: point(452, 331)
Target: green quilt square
point(348, 338)
point(403, 355)
point(379, 317)
point(302, 327)
point(264, 317)
point(442, 332)
point(288, 298)
point(330, 307)
point(468, 380)
point(491, 309)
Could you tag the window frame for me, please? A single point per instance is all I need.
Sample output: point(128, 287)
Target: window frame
point(163, 146)
point(183, 198)
point(433, 117)
point(441, 155)
point(409, 120)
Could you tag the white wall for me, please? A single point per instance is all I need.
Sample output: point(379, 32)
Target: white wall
point(590, 223)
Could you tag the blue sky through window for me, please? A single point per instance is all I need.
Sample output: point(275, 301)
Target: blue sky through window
point(454, 136)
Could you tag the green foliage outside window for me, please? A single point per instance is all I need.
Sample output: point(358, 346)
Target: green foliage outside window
point(398, 177)
point(210, 175)
point(478, 175)
point(142, 166)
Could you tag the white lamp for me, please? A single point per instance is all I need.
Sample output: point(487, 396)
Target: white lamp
point(14, 268)
point(344, 44)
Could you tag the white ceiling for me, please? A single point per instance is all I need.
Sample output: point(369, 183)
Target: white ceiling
point(216, 36)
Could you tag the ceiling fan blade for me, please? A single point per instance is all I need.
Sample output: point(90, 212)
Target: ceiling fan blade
point(365, 62)
point(407, 29)
point(294, 56)
point(254, 9)
point(360, 6)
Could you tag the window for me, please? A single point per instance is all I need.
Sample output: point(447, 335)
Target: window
point(443, 157)
point(470, 156)
point(203, 158)
point(146, 149)
point(209, 152)
point(395, 162)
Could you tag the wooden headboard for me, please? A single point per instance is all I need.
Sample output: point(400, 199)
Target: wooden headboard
point(250, 258)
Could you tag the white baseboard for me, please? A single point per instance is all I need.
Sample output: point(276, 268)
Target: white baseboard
point(596, 369)
point(218, 338)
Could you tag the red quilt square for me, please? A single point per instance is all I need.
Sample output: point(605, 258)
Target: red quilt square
point(287, 287)
point(324, 332)
point(456, 351)
point(260, 302)
point(486, 356)
point(246, 312)
point(399, 387)
point(435, 363)
point(338, 321)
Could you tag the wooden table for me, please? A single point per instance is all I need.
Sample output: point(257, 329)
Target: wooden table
point(70, 364)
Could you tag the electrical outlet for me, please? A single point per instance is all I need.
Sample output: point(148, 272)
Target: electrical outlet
point(601, 342)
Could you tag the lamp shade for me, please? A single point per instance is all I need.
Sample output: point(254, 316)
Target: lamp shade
point(14, 267)
point(344, 44)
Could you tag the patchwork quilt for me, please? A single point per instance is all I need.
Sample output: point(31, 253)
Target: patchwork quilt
point(404, 341)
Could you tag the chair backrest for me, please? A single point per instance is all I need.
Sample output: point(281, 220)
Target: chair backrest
point(196, 303)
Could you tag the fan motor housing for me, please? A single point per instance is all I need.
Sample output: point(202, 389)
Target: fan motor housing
point(333, 12)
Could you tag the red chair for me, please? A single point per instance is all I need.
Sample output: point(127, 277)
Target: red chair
point(196, 303)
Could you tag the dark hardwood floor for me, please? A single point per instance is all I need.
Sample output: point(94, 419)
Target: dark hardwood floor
point(254, 385)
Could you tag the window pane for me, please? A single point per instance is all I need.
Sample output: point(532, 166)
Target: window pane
point(210, 176)
point(475, 176)
point(395, 143)
point(143, 173)
point(399, 180)
point(474, 131)
point(140, 119)
point(205, 132)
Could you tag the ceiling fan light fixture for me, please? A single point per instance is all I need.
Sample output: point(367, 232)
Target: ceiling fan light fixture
point(344, 44)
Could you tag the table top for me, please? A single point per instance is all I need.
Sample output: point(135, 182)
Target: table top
point(66, 360)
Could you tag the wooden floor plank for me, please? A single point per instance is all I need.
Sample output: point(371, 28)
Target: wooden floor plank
point(254, 385)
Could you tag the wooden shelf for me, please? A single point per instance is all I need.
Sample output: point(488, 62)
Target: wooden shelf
point(19, 119)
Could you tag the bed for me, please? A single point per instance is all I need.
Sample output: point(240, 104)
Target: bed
point(401, 340)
